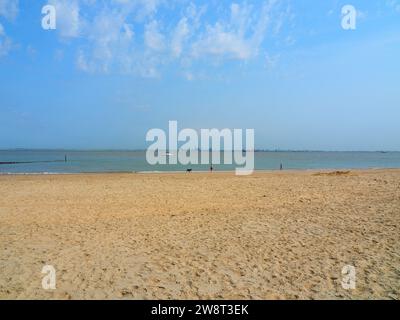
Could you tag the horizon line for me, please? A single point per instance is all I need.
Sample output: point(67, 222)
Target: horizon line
point(201, 150)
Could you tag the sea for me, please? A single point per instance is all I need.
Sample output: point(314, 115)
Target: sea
point(79, 161)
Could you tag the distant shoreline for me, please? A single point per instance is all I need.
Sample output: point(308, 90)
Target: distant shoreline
point(321, 170)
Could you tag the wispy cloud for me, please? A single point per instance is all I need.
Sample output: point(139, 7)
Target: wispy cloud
point(5, 42)
point(68, 17)
point(394, 4)
point(153, 38)
point(132, 37)
point(9, 9)
point(239, 37)
point(108, 44)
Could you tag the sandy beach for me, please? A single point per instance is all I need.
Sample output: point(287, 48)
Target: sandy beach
point(271, 235)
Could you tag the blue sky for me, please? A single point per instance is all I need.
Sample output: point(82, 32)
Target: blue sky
point(114, 69)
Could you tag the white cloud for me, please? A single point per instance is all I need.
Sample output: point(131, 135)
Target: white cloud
point(133, 36)
point(361, 15)
point(221, 42)
point(153, 37)
point(68, 17)
point(271, 60)
point(140, 9)
point(185, 31)
point(5, 42)
point(82, 63)
point(148, 7)
point(240, 37)
point(9, 9)
point(394, 4)
point(109, 44)
point(180, 35)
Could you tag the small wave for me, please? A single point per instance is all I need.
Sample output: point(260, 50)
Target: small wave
point(32, 173)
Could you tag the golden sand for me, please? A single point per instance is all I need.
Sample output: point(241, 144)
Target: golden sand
point(272, 235)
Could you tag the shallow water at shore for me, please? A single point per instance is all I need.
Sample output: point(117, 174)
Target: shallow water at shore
point(44, 161)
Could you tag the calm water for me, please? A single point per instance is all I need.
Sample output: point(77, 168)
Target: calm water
point(128, 161)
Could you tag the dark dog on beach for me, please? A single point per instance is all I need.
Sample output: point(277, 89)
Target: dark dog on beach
point(189, 170)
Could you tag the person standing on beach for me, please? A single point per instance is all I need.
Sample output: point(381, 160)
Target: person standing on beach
point(281, 167)
point(211, 168)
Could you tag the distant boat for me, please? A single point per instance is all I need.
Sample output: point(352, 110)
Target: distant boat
point(166, 154)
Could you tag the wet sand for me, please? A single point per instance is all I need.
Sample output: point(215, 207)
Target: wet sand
point(271, 235)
